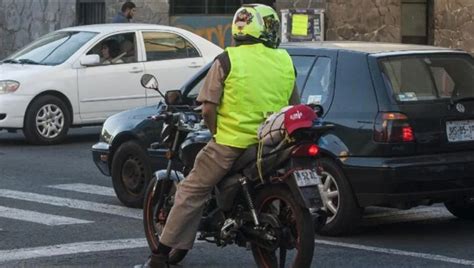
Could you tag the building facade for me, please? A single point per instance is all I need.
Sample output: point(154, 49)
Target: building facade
point(448, 23)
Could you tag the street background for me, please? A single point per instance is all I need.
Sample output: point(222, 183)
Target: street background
point(83, 224)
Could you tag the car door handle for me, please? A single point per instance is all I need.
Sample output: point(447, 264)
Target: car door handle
point(136, 70)
point(194, 65)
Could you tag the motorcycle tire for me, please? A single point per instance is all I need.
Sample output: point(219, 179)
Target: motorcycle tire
point(295, 218)
point(153, 204)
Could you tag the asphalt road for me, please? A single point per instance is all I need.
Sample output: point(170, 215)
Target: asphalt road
point(57, 209)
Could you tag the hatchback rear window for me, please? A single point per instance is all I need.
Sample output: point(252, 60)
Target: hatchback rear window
point(429, 77)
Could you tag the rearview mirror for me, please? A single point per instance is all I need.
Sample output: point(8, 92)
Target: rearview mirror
point(149, 81)
point(173, 97)
point(90, 60)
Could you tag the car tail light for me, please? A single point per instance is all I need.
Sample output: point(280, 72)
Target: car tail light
point(305, 150)
point(393, 127)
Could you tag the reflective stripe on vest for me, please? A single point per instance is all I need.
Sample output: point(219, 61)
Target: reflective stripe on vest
point(260, 82)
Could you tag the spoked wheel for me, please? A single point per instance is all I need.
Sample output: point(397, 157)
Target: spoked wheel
point(330, 195)
point(159, 199)
point(291, 242)
point(47, 120)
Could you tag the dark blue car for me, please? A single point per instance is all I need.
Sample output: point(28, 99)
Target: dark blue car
point(404, 135)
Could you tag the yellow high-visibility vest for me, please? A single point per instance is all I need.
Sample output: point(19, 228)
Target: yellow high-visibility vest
point(260, 82)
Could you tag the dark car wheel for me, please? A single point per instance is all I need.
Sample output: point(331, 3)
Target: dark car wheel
point(131, 173)
point(463, 209)
point(47, 121)
point(344, 214)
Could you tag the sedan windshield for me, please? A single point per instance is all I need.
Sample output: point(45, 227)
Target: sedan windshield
point(429, 77)
point(51, 49)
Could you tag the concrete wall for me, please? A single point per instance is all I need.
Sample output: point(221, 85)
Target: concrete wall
point(285, 4)
point(454, 24)
point(363, 20)
point(23, 21)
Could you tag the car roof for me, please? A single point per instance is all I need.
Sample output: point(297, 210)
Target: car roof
point(367, 47)
point(113, 27)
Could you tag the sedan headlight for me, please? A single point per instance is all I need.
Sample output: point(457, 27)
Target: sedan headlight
point(8, 86)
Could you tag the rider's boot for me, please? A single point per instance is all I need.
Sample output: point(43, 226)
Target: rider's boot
point(158, 260)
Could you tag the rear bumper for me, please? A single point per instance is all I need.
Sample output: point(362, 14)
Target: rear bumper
point(434, 178)
point(100, 155)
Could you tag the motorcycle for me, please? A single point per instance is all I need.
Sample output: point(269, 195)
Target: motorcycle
point(271, 206)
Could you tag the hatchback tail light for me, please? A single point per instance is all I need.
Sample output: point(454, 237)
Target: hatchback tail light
point(393, 127)
point(305, 150)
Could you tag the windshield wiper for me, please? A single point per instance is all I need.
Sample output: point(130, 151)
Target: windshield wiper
point(10, 61)
point(28, 61)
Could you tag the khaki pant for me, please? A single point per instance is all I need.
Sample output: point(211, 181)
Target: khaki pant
point(212, 163)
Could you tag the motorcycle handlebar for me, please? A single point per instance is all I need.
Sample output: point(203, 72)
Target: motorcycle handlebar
point(177, 118)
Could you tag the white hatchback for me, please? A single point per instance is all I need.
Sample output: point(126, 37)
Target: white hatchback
point(81, 75)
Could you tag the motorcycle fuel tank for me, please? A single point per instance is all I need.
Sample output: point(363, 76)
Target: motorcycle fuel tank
point(192, 144)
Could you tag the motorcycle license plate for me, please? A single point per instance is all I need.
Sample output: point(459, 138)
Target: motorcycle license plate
point(306, 177)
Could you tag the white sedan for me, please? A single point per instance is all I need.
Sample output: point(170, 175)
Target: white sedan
point(81, 75)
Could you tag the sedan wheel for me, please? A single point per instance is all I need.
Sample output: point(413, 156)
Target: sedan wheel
point(49, 121)
point(336, 193)
point(131, 173)
point(330, 195)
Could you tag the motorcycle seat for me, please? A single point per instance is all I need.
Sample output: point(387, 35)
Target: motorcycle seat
point(250, 155)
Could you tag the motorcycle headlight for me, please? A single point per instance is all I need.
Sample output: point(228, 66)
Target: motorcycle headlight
point(8, 86)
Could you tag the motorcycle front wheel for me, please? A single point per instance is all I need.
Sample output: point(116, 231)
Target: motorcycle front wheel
point(159, 198)
point(295, 243)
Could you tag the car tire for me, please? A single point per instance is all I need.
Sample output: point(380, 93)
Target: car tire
point(131, 173)
point(344, 213)
point(463, 209)
point(47, 121)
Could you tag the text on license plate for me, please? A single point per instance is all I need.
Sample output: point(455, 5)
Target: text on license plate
point(460, 130)
point(306, 177)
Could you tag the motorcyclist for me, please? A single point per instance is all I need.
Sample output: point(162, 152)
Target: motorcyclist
point(243, 86)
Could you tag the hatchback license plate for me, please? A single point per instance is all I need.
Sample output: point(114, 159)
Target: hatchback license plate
point(458, 131)
point(307, 177)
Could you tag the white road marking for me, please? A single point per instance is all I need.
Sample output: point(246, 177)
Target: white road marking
point(36, 217)
point(110, 245)
point(73, 203)
point(72, 248)
point(398, 252)
point(85, 188)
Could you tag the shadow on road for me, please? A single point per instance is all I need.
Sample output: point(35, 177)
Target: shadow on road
point(75, 136)
point(418, 231)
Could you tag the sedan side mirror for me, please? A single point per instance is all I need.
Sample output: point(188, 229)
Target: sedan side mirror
point(90, 60)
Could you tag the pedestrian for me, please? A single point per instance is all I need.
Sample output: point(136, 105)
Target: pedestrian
point(262, 77)
point(126, 14)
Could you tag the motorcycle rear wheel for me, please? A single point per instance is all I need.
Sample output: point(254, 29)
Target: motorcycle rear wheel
point(295, 219)
point(152, 207)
